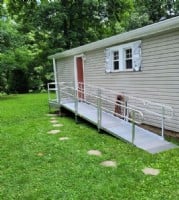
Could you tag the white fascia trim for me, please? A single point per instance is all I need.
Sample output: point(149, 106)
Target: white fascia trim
point(55, 70)
point(139, 33)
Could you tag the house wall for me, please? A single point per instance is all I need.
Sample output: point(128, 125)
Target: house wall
point(158, 81)
point(65, 70)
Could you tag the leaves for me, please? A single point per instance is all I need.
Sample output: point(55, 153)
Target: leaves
point(32, 30)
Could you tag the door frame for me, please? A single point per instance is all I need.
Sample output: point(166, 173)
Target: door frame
point(75, 71)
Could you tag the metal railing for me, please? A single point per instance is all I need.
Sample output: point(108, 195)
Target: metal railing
point(132, 108)
point(52, 92)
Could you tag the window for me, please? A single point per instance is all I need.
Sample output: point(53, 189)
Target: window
point(126, 57)
point(115, 60)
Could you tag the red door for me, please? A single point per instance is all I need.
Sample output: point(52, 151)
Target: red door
point(80, 77)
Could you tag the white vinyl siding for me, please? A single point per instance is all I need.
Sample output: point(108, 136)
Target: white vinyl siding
point(158, 80)
point(65, 70)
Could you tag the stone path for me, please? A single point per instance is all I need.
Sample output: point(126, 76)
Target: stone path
point(40, 154)
point(94, 152)
point(54, 121)
point(54, 132)
point(53, 118)
point(151, 171)
point(63, 138)
point(51, 115)
point(107, 163)
point(57, 125)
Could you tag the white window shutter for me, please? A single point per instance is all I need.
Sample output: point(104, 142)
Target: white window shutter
point(108, 60)
point(137, 57)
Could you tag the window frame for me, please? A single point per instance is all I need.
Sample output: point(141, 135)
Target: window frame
point(122, 56)
point(112, 59)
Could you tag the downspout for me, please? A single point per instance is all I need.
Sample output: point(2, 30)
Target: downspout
point(56, 79)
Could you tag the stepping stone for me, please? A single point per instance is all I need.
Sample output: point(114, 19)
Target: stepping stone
point(94, 152)
point(151, 171)
point(109, 163)
point(53, 118)
point(57, 125)
point(63, 138)
point(54, 121)
point(40, 154)
point(51, 115)
point(54, 132)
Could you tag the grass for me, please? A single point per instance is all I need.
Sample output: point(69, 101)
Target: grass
point(63, 170)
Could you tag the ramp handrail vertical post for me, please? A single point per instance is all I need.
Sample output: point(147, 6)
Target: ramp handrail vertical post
point(58, 93)
point(76, 104)
point(48, 86)
point(125, 110)
point(99, 109)
point(163, 118)
point(133, 126)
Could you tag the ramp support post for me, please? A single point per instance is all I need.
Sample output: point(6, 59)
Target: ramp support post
point(126, 111)
point(99, 110)
point(58, 92)
point(163, 113)
point(58, 96)
point(76, 104)
point(133, 127)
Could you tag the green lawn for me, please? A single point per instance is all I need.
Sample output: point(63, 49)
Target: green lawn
point(35, 165)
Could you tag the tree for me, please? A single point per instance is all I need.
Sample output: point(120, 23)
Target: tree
point(51, 26)
point(29, 49)
point(32, 30)
point(172, 8)
point(158, 10)
point(15, 56)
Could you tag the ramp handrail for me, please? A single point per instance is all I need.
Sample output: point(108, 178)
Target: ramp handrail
point(156, 109)
point(146, 102)
point(51, 87)
point(72, 92)
point(102, 98)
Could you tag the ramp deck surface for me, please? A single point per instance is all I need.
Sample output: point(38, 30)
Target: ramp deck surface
point(144, 139)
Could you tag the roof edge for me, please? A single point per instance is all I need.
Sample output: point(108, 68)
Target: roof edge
point(145, 31)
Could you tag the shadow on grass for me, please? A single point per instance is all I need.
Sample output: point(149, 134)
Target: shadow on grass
point(9, 97)
point(68, 114)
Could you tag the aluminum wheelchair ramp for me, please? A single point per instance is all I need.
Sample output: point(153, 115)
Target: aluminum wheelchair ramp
point(93, 105)
point(144, 139)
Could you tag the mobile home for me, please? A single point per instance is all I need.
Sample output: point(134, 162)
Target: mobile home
point(141, 65)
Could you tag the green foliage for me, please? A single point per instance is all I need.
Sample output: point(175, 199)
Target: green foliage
point(9, 37)
point(158, 10)
point(32, 30)
point(16, 58)
point(36, 165)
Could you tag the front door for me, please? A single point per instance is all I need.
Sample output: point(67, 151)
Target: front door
point(80, 77)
